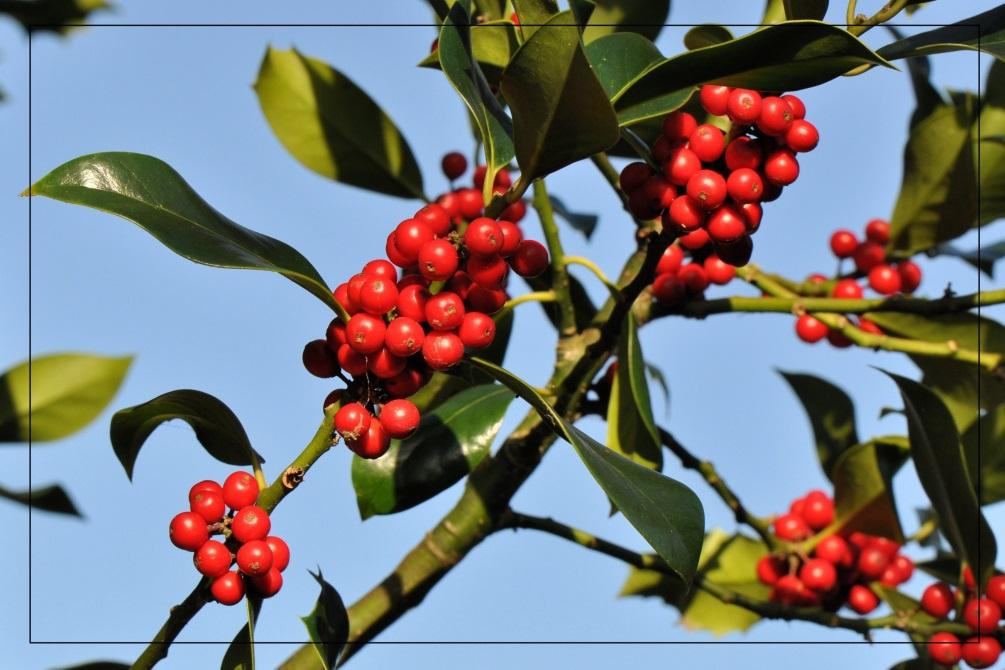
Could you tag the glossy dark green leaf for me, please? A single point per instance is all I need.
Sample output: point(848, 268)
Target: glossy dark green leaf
point(984, 31)
point(52, 498)
point(66, 392)
point(148, 192)
point(534, 14)
point(450, 441)
point(863, 487)
point(617, 59)
point(490, 10)
point(216, 427)
point(493, 43)
point(464, 74)
point(665, 512)
point(327, 624)
point(706, 35)
point(782, 57)
point(658, 378)
point(926, 94)
point(645, 17)
point(333, 127)
point(942, 469)
point(988, 150)
point(983, 259)
point(51, 15)
point(984, 447)
point(582, 10)
point(240, 655)
point(919, 663)
point(560, 111)
point(831, 413)
point(631, 430)
point(805, 9)
point(96, 665)
point(584, 223)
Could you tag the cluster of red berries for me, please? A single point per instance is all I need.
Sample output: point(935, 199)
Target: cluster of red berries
point(869, 257)
point(455, 266)
point(980, 614)
point(677, 281)
point(840, 569)
point(713, 183)
point(260, 557)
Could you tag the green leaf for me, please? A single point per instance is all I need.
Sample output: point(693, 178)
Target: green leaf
point(863, 487)
point(148, 192)
point(983, 259)
point(805, 9)
point(560, 111)
point(984, 31)
point(774, 12)
point(240, 655)
point(97, 665)
point(490, 9)
point(645, 17)
point(333, 127)
point(631, 430)
point(449, 442)
point(584, 223)
point(493, 43)
point(919, 663)
point(51, 15)
point(617, 59)
point(51, 498)
point(665, 512)
point(656, 374)
point(984, 447)
point(327, 624)
point(216, 427)
point(534, 14)
point(831, 413)
point(464, 74)
point(989, 151)
point(706, 35)
point(942, 469)
point(582, 10)
point(782, 57)
point(65, 393)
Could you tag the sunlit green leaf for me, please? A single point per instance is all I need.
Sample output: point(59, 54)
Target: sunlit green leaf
point(645, 17)
point(984, 447)
point(327, 624)
point(863, 487)
point(631, 430)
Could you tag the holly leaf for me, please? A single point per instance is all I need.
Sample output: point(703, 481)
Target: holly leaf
point(327, 624)
point(52, 498)
point(216, 427)
point(645, 17)
point(983, 258)
point(240, 655)
point(534, 14)
point(984, 448)
point(51, 397)
point(52, 15)
point(584, 223)
point(831, 413)
point(706, 35)
point(631, 430)
point(493, 43)
point(97, 665)
point(985, 31)
point(863, 487)
point(805, 9)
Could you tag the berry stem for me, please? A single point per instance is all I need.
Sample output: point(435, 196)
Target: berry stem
point(533, 296)
point(595, 269)
point(560, 276)
point(885, 13)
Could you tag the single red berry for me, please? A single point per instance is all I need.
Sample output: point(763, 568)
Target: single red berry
point(374, 443)
point(684, 213)
point(412, 303)
point(884, 279)
point(254, 558)
point(205, 486)
point(669, 290)
point(744, 152)
point(671, 260)
point(868, 255)
point(280, 552)
point(658, 192)
point(471, 203)
point(743, 106)
point(477, 330)
point(981, 652)
point(726, 224)
point(802, 136)
point(228, 589)
point(714, 99)
point(982, 614)
point(188, 531)
point(514, 212)
point(394, 255)
point(267, 585)
point(486, 300)
point(818, 510)
point(678, 125)
point(910, 276)
point(889, 547)
point(682, 165)
point(212, 559)
point(718, 271)
point(442, 349)
point(438, 260)
point(405, 384)
point(365, 333)
point(454, 164)
point(796, 105)
point(378, 296)
point(937, 600)
point(355, 285)
point(351, 360)
point(318, 359)
point(445, 311)
point(862, 599)
point(776, 116)
point(834, 549)
point(899, 571)
point(752, 213)
point(240, 489)
point(781, 167)
point(436, 217)
point(791, 528)
point(708, 188)
point(872, 562)
point(335, 335)
point(486, 271)
point(878, 231)
point(707, 142)
point(399, 418)
point(209, 505)
point(695, 239)
point(351, 420)
point(409, 238)
point(381, 268)
point(745, 185)
point(634, 175)
point(847, 289)
point(384, 364)
point(451, 204)
point(694, 278)
point(810, 329)
point(530, 259)
point(511, 238)
point(250, 523)
point(843, 243)
point(996, 590)
point(483, 237)
point(818, 575)
point(945, 649)
point(796, 507)
point(404, 336)
point(770, 569)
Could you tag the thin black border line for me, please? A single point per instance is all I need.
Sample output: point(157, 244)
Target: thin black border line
point(32, 27)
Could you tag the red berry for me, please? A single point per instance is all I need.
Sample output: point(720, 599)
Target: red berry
point(796, 105)
point(188, 531)
point(884, 279)
point(254, 558)
point(394, 255)
point(659, 192)
point(454, 164)
point(268, 584)
point(384, 364)
point(810, 329)
point(351, 360)
point(530, 259)
point(470, 201)
point(250, 523)
point(743, 152)
point(483, 237)
point(486, 300)
point(477, 330)
point(816, 278)
point(671, 260)
point(718, 271)
point(968, 578)
point(937, 600)
point(872, 562)
point(663, 147)
point(770, 569)
point(460, 284)
point(910, 276)
point(790, 590)
point(781, 167)
point(487, 272)
point(745, 185)
point(899, 571)
point(378, 296)
point(438, 260)
point(399, 418)
point(996, 590)
point(743, 106)
point(380, 268)
point(707, 142)
point(685, 213)
point(944, 648)
point(668, 289)
point(410, 236)
point(708, 188)
point(981, 652)
point(694, 240)
point(351, 420)
point(843, 243)
point(751, 212)
point(862, 599)
point(412, 303)
point(682, 165)
point(212, 559)
point(694, 278)
point(365, 333)
point(726, 224)
point(374, 443)
point(209, 505)
point(515, 212)
point(678, 125)
point(445, 311)
point(642, 206)
point(280, 552)
point(982, 614)
point(714, 99)
point(878, 231)
point(205, 486)
point(818, 510)
point(442, 349)
point(834, 549)
point(436, 217)
point(802, 136)
point(791, 528)
point(847, 289)
point(405, 384)
point(868, 255)
point(355, 285)
point(818, 575)
point(318, 359)
point(634, 175)
point(228, 589)
point(335, 335)
point(500, 183)
point(451, 204)
point(404, 336)
point(776, 116)
point(240, 489)
point(511, 238)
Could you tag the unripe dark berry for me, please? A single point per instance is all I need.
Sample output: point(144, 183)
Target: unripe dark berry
point(483, 237)
point(351, 360)
point(736, 252)
point(209, 505)
point(937, 600)
point(212, 559)
point(365, 333)
point(228, 589)
point(454, 164)
point(634, 175)
point(743, 106)
point(486, 300)
point(694, 278)
point(188, 531)
point(659, 193)
point(791, 528)
point(318, 359)
point(944, 648)
point(351, 420)
point(708, 142)
point(530, 259)
point(250, 523)
point(373, 444)
point(268, 584)
point(714, 99)
point(981, 652)
point(477, 330)
point(810, 329)
point(884, 279)
point(708, 188)
point(404, 336)
point(438, 260)
point(240, 489)
point(982, 614)
point(843, 243)
point(818, 575)
point(280, 552)
point(442, 350)
point(254, 558)
point(399, 418)
point(445, 311)
point(678, 125)
point(862, 599)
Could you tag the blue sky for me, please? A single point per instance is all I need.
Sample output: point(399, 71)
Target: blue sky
point(100, 284)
